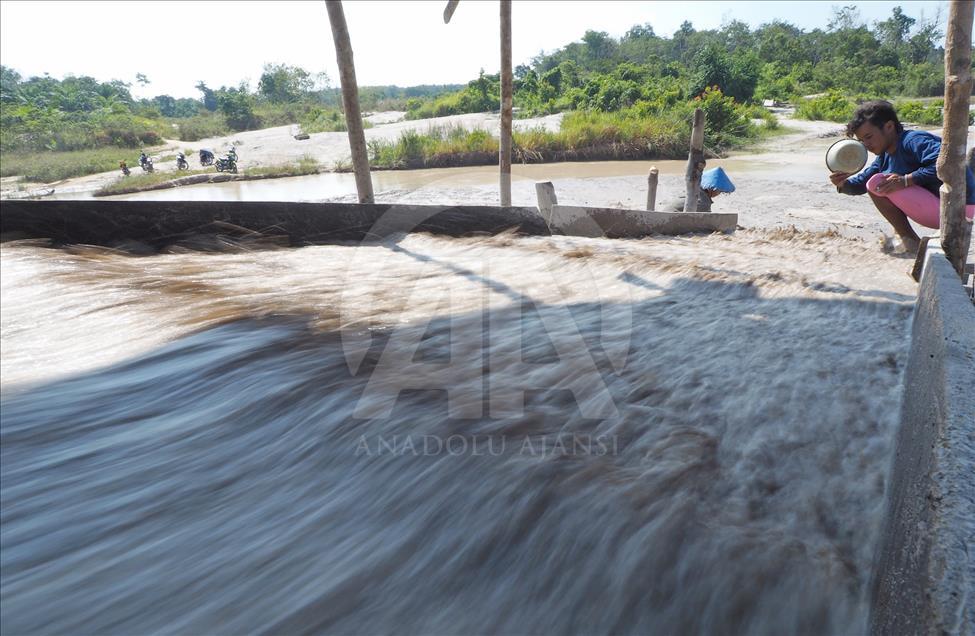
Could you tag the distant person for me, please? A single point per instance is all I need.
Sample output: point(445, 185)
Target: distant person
point(124, 167)
point(713, 182)
point(902, 181)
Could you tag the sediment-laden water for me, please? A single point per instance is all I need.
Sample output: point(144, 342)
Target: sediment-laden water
point(446, 436)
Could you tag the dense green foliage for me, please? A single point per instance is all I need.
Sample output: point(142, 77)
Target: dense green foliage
point(638, 132)
point(899, 56)
point(80, 113)
point(834, 106)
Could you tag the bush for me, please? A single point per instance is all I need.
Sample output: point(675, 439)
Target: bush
point(202, 127)
point(919, 113)
point(829, 107)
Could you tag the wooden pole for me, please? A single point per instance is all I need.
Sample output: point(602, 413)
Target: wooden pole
point(350, 99)
point(449, 10)
point(695, 162)
point(956, 230)
point(506, 102)
point(652, 188)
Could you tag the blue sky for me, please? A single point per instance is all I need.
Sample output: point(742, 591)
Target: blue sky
point(177, 44)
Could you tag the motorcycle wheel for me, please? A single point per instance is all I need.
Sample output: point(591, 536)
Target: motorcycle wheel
point(234, 168)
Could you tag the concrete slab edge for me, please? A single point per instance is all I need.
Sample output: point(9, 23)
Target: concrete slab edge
point(924, 575)
point(574, 220)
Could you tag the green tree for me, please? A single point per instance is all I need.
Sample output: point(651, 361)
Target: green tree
point(283, 83)
point(237, 106)
point(209, 96)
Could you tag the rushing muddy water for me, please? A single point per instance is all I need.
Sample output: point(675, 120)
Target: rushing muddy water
point(450, 436)
point(336, 185)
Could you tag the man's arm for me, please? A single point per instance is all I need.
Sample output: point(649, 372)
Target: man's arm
point(925, 150)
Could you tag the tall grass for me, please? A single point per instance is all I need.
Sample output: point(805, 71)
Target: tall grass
point(634, 133)
point(202, 127)
point(47, 167)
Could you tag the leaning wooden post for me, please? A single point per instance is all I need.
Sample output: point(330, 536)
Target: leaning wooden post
point(956, 230)
point(506, 103)
point(350, 99)
point(695, 162)
point(652, 188)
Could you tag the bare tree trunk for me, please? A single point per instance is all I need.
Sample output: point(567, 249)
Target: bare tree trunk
point(350, 99)
point(956, 230)
point(506, 96)
point(695, 163)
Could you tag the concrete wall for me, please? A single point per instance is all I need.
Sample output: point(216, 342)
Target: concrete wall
point(618, 223)
point(158, 223)
point(924, 580)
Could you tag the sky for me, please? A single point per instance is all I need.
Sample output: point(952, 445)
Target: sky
point(177, 44)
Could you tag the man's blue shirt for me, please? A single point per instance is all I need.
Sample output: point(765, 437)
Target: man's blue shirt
point(917, 155)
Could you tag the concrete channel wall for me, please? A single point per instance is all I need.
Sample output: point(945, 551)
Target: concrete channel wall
point(924, 579)
point(158, 223)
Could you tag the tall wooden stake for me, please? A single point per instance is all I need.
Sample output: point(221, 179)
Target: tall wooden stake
point(956, 230)
point(506, 101)
point(695, 162)
point(652, 177)
point(350, 99)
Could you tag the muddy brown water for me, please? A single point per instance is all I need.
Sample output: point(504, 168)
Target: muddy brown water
point(445, 436)
point(336, 185)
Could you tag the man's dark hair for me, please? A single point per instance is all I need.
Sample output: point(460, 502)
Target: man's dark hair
point(878, 112)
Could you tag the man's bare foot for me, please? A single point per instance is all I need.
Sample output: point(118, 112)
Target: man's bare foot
point(909, 244)
point(900, 245)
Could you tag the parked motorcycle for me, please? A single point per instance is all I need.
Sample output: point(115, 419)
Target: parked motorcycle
point(181, 162)
point(228, 163)
point(206, 157)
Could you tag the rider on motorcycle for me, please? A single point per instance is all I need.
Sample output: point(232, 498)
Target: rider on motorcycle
point(143, 159)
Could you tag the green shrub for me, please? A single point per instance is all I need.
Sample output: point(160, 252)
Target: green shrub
point(919, 113)
point(202, 127)
point(832, 106)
